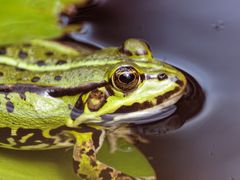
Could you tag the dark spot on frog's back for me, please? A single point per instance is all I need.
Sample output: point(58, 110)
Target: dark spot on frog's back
point(41, 63)
point(27, 45)
point(60, 62)
point(49, 53)
point(35, 79)
point(3, 51)
point(57, 78)
point(22, 54)
point(20, 69)
point(10, 106)
point(1, 74)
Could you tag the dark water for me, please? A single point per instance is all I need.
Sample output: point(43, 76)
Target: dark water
point(202, 38)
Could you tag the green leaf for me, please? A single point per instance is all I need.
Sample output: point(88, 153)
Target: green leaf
point(57, 164)
point(37, 165)
point(127, 158)
point(23, 20)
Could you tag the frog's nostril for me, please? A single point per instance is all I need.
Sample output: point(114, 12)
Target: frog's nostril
point(162, 76)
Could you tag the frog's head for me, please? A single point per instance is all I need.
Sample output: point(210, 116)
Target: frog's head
point(139, 89)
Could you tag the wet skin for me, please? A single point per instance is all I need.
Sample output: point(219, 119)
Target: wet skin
point(53, 96)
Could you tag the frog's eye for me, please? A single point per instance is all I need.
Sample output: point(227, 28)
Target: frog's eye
point(125, 78)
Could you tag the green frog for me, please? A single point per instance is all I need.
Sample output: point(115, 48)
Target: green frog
point(54, 96)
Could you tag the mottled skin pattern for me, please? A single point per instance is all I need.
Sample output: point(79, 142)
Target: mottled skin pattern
point(53, 96)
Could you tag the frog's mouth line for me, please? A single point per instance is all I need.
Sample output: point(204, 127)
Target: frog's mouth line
point(148, 115)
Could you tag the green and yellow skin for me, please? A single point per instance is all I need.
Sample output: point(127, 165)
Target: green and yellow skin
point(53, 96)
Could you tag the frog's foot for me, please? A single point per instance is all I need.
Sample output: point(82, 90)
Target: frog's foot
point(125, 132)
point(85, 163)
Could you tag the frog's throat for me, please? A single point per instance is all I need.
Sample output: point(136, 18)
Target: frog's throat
point(148, 115)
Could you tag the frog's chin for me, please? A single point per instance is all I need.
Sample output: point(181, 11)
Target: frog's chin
point(148, 115)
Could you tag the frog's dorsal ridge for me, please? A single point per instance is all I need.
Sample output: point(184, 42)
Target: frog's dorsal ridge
point(42, 56)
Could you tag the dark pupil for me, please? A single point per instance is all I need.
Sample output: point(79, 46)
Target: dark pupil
point(126, 78)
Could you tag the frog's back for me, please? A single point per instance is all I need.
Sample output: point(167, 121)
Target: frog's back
point(44, 63)
point(41, 82)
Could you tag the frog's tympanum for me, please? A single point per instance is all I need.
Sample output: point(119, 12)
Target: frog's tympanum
point(53, 96)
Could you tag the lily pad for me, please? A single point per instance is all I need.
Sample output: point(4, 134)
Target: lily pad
point(57, 164)
point(23, 20)
point(127, 158)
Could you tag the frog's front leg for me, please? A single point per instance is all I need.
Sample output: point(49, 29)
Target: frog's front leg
point(85, 162)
